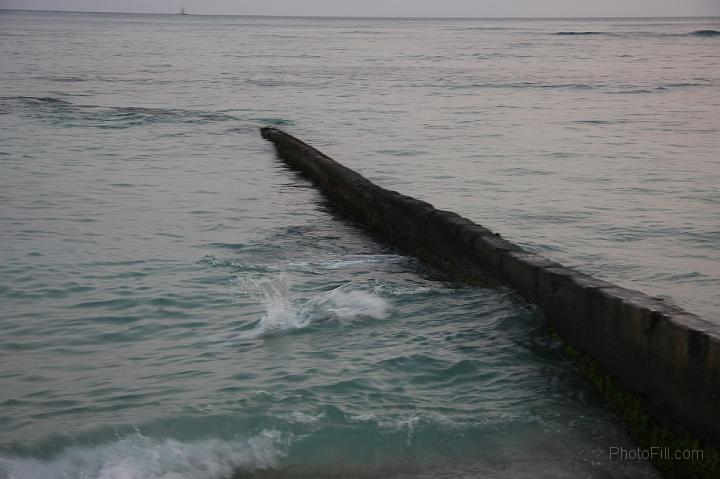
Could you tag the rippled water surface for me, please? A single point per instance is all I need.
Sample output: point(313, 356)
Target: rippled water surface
point(176, 303)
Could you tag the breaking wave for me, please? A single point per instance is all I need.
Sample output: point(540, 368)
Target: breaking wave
point(696, 33)
point(582, 33)
point(705, 33)
point(145, 458)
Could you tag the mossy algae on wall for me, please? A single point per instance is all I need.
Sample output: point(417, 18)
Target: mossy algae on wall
point(648, 432)
point(651, 347)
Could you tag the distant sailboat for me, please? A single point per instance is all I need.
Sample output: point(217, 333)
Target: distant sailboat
point(182, 10)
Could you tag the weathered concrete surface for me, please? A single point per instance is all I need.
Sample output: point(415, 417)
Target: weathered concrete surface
point(667, 355)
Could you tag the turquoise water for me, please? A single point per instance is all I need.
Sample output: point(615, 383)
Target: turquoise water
point(177, 304)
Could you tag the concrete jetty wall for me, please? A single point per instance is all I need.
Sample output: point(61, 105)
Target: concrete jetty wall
point(669, 356)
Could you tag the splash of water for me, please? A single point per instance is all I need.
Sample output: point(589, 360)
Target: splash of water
point(287, 310)
point(280, 313)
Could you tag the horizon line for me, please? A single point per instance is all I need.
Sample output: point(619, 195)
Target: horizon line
point(379, 17)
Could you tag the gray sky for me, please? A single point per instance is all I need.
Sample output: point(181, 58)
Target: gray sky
point(402, 8)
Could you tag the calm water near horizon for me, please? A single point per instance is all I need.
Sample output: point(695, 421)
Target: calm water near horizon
point(174, 303)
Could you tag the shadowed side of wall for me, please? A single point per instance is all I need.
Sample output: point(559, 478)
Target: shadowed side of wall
point(661, 352)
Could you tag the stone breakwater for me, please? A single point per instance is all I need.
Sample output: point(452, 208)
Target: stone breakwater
point(655, 349)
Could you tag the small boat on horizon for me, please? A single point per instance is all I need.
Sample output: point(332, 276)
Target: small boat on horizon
point(182, 10)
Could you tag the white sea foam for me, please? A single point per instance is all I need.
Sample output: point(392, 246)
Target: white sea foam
point(347, 305)
point(349, 261)
point(145, 458)
point(390, 289)
point(407, 422)
point(299, 417)
point(288, 310)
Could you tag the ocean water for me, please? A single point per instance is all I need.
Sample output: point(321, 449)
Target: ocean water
point(175, 303)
